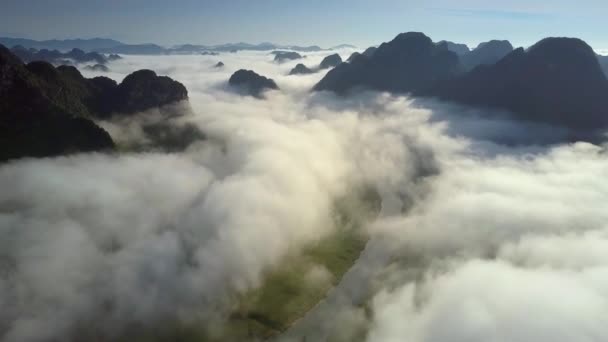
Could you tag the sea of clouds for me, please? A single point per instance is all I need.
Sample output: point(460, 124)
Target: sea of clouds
point(489, 230)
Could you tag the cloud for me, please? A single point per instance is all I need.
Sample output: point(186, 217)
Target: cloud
point(495, 301)
point(113, 241)
point(470, 206)
point(511, 249)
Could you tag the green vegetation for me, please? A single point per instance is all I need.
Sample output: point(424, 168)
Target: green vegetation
point(292, 289)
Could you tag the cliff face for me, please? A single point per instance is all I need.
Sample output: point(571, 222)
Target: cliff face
point(330, 61)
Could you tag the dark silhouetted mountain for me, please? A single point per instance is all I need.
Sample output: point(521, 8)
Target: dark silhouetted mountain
point(459, 49)
point(57, 57)
point(134, 49)
point(219, 65)
point(556, 81)
point(143, 90)
point(369, 51)
point(353, 56)
point(47, 111)
point(251, 83)
point(209, 53)
point(35, 115)
point(97, 67)
point(603, 63)
point(62, 45)
point(330, 61)
point(114, 57)
point(409, 62)
point(486, 53)
point(283, 56)
point(301, 69)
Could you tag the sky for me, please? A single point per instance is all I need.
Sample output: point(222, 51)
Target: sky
point(319, 22)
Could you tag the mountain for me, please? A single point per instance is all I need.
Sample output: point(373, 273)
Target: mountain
point(58, 57)
point(327, 62)
point(369, 51)
point(486, 53)
point(283, 56)
point(301, 69)
point(353, 56)
point(41, 113)
point(250, 83)
point(330, 61)
point(459, 49)
point(144, 89)
point(134, 49)
point(557, 81)
point(48, 111)
point(61, 45)
point(409, 62)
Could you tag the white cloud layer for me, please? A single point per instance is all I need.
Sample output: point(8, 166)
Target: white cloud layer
point(477, 240)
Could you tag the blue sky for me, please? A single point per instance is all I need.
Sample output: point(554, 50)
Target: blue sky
point(321, 22)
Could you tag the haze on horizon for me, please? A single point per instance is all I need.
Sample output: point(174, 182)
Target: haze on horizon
point(358, 22)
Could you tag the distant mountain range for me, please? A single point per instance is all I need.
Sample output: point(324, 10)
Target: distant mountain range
point(57, 57)
point(113, 46)
point(61, 45)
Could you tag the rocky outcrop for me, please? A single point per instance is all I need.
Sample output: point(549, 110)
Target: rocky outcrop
point(486, 53)
point(48, 111)
point(144, 89)
point(408, 63)
point(327, 62)
point(283, 56)
point(250, 83)
point(353, 56)
point(219, 65)
point(330, 61)
point(557, 81)
point(301, 69)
